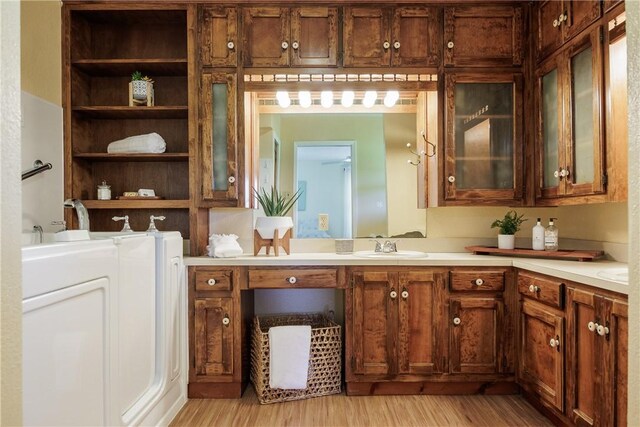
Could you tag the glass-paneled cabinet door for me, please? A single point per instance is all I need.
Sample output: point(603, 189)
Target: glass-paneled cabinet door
point(218, 137)
point(483, 159)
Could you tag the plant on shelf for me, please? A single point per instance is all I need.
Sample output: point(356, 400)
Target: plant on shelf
point(141, 88)
point(275, 225)
point(508, 226)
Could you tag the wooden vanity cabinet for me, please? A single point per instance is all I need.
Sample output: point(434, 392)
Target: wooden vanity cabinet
point(384, 36)
point(218, 36)
point(298, 36)
point(483, 36)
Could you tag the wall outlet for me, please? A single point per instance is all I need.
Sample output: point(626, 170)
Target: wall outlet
point(323, 222)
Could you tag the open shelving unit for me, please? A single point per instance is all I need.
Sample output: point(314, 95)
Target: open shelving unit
point(103, 45)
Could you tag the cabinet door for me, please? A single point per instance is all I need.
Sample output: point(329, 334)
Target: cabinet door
point(213, 334)
point(483, 36)
point(374, 320)
point(483, 141)
point(420, 330)
point(616, 365)
point(548, 27)
point(266, 37)
point(584, 98)
point(218, 137)
point(314, 36)
point(475, 325)
point(541, 367)
point(367, 37)
point(577, 15)
point(415, 37)
point(583, 352)
point(218, 33)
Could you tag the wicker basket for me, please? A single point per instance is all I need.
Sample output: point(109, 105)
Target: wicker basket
point(325, 359)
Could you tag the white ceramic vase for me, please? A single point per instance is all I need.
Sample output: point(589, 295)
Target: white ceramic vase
point(506, 241)
point(139, 89)
point(267, 225)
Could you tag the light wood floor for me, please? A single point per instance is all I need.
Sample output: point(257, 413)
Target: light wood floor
point(341, 410)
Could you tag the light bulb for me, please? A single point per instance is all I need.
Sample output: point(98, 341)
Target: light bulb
point(347, 98)
point(282, 96)
point(391, 98)
point(304, 98)
point(326, 98)
point(369, 98)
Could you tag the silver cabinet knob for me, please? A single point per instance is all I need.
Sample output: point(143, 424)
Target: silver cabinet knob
point(479, 282)
point(592, 326)
point(285, 45)
point(292, 280)
point(405, 294)
point(554, 342)
point(450, 45)
point(456, 321)
point(533, 288)
point(396, 45)
point(393, 294)
point(211, 282)
point(231, 179)
point(386, 45)
point(602, 330)
point(230, 44)
point(295, 45)
point(225, 320)
point(451, 179)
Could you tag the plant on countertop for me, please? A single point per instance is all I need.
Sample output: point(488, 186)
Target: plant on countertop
point(137, 75)
point(275, 203)
point(510, 224)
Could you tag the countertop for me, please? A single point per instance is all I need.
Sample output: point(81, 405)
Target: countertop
point(582, 272)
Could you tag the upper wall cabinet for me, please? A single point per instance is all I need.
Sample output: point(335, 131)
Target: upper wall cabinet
point(483, 141)
point(487, 36)
point(218, 36)
point(400, 37)
point(569, 142)
point(299, 36)
point(559, 21)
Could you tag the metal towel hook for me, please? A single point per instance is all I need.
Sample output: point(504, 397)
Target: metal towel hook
point(422, 152)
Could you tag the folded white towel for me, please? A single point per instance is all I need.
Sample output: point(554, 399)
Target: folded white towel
point(290, 347)
point(148, 143)
point(224, 246)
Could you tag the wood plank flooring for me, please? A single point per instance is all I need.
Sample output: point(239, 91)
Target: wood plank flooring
point(356, 411)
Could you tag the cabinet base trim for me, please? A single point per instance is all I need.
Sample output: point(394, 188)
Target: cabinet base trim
point(389, 388)
point(546, 410)
point(216, 390)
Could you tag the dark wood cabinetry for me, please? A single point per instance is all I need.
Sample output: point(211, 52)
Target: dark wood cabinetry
point(299, 36)
point(483, 36)
point(218, 36)
point(383, 36)
point(213, 337)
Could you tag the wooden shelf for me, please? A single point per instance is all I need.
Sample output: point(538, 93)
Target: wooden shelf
point(124, 67)
point(133, 157)
point(136, 204)
point(125, 112)
point(521, 252)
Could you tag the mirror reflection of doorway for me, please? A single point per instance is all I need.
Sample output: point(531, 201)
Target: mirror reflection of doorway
point(323, 169)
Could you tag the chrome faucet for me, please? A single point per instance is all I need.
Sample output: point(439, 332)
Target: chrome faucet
point(81, 211)
point(387, 247)
point(38, 229)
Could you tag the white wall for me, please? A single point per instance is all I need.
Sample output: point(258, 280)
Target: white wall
point(42, 194)
point(10, 265)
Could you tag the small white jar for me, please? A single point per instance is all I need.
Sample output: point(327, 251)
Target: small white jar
point(104, 191)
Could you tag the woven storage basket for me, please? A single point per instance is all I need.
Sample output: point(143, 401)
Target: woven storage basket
point(325, 358)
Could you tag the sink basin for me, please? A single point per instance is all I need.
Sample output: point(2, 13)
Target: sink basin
point(395, 255)
point(616, 274)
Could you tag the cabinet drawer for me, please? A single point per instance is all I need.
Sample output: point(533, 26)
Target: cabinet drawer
point(214, 280)
point(542, 289)
point(293, 278)
point(477, 280)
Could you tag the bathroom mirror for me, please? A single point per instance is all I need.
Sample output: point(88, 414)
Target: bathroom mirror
point(358, 177)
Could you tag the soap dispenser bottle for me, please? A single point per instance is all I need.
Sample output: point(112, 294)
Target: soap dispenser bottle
point(551, 236)
point(537, 237)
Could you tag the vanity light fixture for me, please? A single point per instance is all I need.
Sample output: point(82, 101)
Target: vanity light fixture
point(369, 98)
point(326, 98)
point(304, 98)
point(347, 98)
point(391, 98)
point(282, 96)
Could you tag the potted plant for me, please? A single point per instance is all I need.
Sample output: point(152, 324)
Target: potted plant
point(508, 226)
point(275, 206)
point(141, 87)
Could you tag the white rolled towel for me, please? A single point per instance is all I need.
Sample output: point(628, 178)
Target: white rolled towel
point(148, 143)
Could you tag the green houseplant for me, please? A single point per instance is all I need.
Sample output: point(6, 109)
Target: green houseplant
point(276, 206)
point(509, 226)
point(139, 85)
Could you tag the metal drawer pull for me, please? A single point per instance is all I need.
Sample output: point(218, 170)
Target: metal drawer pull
point(479, 282)
point(592, 326)
point(292, 280)
point(225, 320)
point(211, 282)
point(393, 294)
point(456, 321)
point(534, 289)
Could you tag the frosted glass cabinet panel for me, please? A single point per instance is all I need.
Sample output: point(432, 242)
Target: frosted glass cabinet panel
point(218, 137)
point(483, 145)
point(569, 144)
